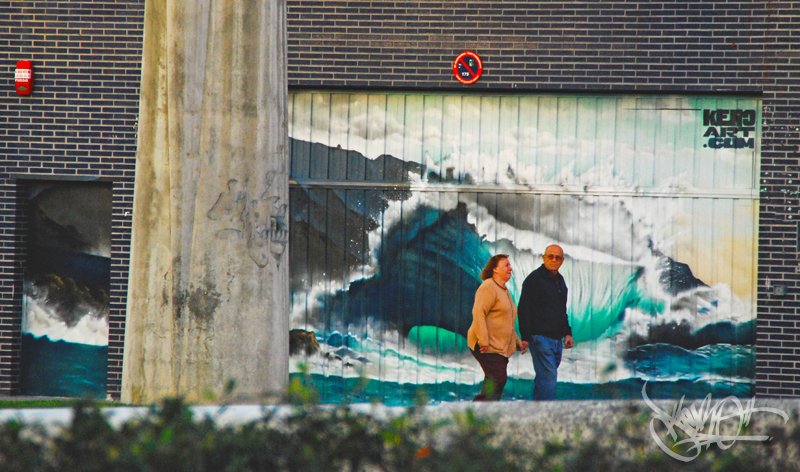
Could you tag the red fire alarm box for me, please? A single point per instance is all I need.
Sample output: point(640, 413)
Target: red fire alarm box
point(23, 78)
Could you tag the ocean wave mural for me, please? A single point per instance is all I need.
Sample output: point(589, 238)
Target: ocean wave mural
point(398, 200)
point(65, 290)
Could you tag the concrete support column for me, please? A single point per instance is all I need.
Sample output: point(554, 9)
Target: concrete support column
point(208, 299)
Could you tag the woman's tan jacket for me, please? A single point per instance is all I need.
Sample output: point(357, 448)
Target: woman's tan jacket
point(493, 318)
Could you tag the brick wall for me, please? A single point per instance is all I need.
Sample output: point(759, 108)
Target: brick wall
point(79, 123)
point(666, 46)
point(624, 45)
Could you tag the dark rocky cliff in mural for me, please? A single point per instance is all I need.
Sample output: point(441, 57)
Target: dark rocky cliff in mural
point(428, 273)
point(331, 226)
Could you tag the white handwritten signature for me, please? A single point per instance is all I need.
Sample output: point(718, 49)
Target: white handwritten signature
point(704, 424)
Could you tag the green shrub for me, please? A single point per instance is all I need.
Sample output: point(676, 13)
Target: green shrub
point(332, 438)
point(21, 447)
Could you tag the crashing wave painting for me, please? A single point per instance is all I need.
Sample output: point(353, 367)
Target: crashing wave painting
point(398, 199)
point(66, 285)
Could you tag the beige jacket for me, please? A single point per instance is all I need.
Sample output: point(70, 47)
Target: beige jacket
point(493, 317)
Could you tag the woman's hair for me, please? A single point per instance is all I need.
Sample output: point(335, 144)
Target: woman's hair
point(488, 269)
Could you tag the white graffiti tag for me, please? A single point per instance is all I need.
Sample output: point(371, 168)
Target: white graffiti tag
point(703, 424)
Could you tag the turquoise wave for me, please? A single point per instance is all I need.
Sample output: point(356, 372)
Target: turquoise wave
point(337, 390)
point(59, 368)
point(599, 295)
point(434, 340)
point(428, 270)
point(423, 288)
point(669, 361)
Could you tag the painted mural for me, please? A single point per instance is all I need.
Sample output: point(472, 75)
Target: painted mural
point(66, 286)
point(398, 200)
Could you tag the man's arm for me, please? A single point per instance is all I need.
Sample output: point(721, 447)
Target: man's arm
point(568, 341)
point(524, 308)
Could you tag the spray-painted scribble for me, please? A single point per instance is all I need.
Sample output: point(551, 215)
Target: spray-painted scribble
point(262, 220)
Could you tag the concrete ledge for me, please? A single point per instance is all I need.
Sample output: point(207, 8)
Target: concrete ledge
point(628, 427)
point(555, 419)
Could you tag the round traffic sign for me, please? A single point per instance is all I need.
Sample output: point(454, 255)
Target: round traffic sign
point(467, 68)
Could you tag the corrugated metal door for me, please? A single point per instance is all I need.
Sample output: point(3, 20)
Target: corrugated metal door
point(398, 200)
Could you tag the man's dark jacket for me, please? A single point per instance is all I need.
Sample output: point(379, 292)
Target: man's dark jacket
point(543, 305)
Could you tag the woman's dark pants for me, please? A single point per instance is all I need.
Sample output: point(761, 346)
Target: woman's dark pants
point(494, 369)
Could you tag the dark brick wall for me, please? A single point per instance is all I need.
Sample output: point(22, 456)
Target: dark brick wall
point(79, 123)
point(81, 120)
point(600, 45)
point(615, 46)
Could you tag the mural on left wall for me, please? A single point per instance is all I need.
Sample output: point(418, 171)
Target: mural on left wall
point(66, 286)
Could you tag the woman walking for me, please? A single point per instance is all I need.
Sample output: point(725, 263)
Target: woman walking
point(491, 337)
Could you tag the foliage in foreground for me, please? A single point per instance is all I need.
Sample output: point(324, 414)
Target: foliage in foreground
point(314, 438)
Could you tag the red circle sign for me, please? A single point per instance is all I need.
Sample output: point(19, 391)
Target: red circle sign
point(467, 68)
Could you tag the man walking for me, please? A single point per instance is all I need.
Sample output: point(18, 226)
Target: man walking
point(542, 313)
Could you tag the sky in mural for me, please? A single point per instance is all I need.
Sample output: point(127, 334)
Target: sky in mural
point(400, 199)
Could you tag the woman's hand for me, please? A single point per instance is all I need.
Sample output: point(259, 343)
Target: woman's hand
point(484, 348)
point(522, 346)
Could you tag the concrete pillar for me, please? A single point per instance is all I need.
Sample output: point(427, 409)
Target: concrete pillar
point(208, 297)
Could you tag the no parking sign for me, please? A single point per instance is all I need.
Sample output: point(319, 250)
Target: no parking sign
point(467, 68)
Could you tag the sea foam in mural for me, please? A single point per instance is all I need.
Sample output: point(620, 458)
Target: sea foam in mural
point(65, 299)
point(401, 198)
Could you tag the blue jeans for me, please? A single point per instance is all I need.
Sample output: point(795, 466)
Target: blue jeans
point(546, 354)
